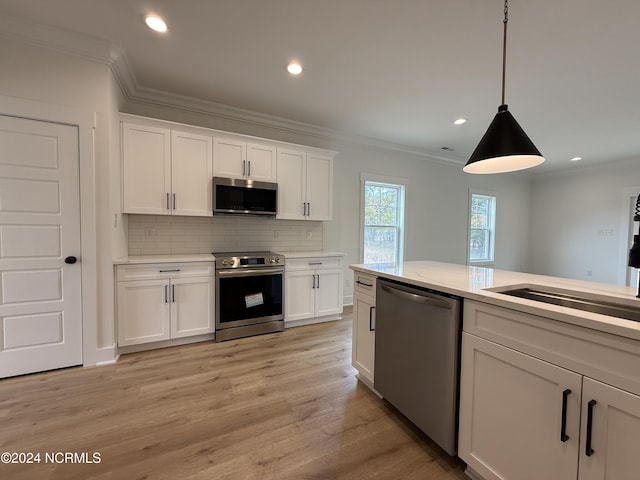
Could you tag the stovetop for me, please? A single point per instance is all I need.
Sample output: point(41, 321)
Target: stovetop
point(248, 259)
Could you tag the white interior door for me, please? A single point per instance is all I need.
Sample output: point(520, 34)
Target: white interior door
point(40, 294)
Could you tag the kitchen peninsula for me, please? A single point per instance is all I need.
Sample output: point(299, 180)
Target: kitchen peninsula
point(546, 391)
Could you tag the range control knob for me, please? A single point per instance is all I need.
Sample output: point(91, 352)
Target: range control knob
point(225, 262)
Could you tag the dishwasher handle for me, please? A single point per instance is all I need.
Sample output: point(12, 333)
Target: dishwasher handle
point(429, 299)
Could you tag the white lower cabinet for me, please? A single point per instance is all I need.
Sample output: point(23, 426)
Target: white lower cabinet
point(363, 331)
point(163, 302)
point(523, 418)
point(313, 288)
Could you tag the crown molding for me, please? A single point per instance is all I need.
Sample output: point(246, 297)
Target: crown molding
point(104, 52)
point(137, 94)
point(53, 38)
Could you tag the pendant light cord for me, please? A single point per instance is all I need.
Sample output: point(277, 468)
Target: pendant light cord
point(504, 47)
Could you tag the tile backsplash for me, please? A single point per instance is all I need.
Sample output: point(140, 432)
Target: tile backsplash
point(160, 234)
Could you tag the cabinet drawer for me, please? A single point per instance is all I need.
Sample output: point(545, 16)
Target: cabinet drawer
point(160, 270)
point(363, 283)
point(313, 263)
point(609, 358)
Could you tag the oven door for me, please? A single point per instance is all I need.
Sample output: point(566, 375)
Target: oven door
point(248, 296)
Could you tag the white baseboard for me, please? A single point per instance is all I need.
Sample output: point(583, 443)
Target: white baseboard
point(311, 321)
point(106, 355)
point(469, 472)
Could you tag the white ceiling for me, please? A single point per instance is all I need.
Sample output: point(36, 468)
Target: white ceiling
point(394, 70)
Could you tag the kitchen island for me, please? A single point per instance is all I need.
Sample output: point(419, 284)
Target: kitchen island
point(546, 391)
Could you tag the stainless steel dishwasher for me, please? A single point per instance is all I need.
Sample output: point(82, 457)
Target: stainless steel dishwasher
point(417, 357)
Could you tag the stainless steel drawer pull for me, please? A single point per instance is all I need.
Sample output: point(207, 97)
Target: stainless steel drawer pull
point(166, 271)
point(315, 263)
point(364, 284)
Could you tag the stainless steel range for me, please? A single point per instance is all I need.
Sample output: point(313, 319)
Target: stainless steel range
point(249, 294)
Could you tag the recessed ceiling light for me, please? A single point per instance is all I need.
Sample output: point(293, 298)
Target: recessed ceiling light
point(294, 68)
point(155, 23)
point(460, 121)
point(576, 159)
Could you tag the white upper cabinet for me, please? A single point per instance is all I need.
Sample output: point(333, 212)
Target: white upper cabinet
point(146, 169)
point(191, 173)
point(166, 171)
point(305, 185)
point(233, 157)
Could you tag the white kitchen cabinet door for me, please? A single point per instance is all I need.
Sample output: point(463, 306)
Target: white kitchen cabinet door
point(191, 174)
point(319, 187)
point(364, 339)
point(328, 292)
point(229, 157)
point(143, 313)
point(299, 295)
point(146, 164)
point(261, 162)
point(511, 414)
point(291, 170)
point(615, 433)
point(191, 306)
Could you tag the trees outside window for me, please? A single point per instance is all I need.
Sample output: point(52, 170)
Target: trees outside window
point(383, 222)
point(482, 211)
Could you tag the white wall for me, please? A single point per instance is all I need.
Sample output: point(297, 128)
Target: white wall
point(436, 208)
point(568, 210)
point(47, 76)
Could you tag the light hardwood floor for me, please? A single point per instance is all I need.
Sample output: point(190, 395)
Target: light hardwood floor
point(278, 406)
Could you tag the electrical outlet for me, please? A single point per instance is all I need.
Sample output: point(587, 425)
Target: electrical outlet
point(605, 232)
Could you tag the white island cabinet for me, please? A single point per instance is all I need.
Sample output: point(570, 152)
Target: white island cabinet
point(546, 391)
point(541, 400)
point(364, 330)
point(164, 301)
point(313, 288)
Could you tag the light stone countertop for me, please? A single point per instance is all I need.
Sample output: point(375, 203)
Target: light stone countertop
point(316, 253)
point(472, 282)
point(177, 258)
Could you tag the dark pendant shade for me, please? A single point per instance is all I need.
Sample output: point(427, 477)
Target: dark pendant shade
point(503, 148)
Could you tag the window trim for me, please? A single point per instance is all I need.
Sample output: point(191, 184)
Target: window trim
point(388, 180)
point(493, 229)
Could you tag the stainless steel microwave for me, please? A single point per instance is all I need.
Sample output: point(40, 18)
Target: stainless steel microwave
point(244, 197)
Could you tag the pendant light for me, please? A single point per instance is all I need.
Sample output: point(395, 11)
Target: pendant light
point(504, 147)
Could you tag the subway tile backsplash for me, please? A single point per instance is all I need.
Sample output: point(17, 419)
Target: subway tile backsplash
point(159, 234)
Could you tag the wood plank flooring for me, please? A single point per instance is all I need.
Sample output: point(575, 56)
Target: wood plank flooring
point(278, 406)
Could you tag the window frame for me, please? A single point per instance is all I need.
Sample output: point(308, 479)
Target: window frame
point(492, 228)
point(402, 211)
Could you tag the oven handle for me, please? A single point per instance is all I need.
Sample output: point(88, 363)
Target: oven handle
point(241, 272)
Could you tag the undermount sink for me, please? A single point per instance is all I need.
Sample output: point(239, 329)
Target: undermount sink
point(602, 304)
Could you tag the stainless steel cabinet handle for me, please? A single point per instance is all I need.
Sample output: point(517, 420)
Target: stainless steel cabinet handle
point(173, 293)
point(168, 207)
point(363, 284)
point(433, 301)
point(174, 201)
point(308, 209)
point(249, 168)
point(313, 279)
point(315, 263)
point(166, 271)
point(165, 293)
point(244, 167)
point(318, 280)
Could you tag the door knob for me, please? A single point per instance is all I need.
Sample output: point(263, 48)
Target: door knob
point(70, 260)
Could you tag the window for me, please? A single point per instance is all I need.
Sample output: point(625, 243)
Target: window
point(482, 228)
point(383, 222)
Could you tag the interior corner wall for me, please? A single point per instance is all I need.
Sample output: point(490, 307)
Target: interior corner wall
point(48, 76)
point(436, 208)
point(576, 221)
